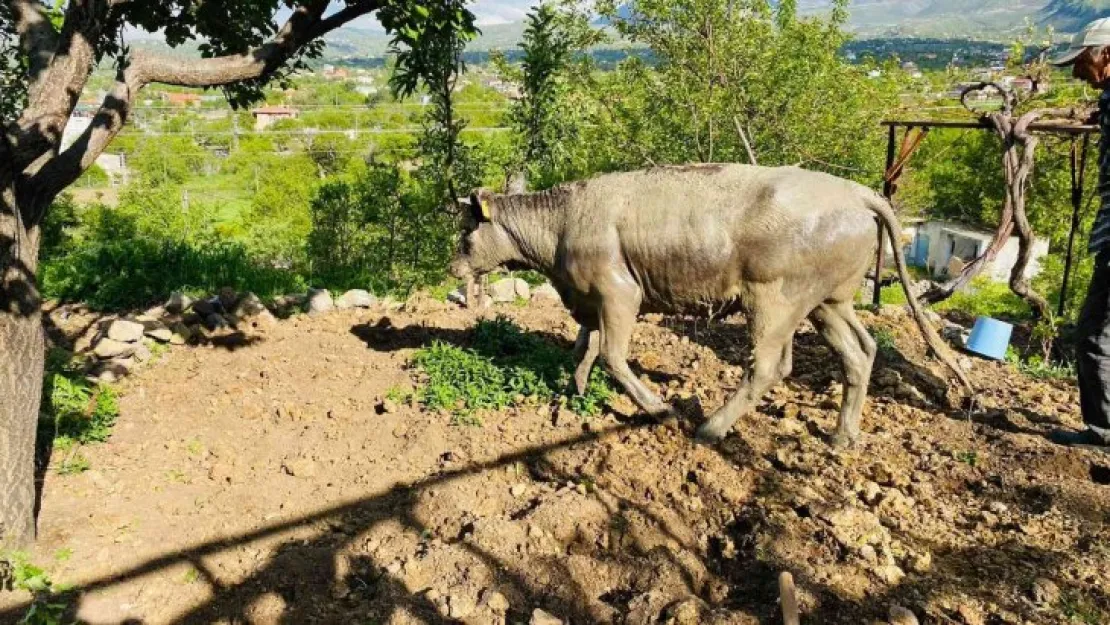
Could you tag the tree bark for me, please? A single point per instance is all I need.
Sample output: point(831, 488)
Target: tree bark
point(21, 371)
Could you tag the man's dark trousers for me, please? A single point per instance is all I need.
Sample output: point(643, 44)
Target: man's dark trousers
point(1093, 350)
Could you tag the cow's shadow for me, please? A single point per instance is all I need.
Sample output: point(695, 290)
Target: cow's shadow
point(816, 367)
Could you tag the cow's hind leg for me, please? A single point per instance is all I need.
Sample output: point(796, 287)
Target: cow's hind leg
point(618, 316)
point(849, 339)
point(586, 349)
point(772, 329)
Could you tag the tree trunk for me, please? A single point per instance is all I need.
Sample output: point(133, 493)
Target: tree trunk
point(21, 370)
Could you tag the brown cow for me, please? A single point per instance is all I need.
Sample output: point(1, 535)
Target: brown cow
point(779, 244)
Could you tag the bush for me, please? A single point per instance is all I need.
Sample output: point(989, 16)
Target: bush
point(130, 273)
point(986, 298)
point(505, 366)
point(382, 228)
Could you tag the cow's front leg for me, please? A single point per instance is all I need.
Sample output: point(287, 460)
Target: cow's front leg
point(586, 350)
point(617, 320)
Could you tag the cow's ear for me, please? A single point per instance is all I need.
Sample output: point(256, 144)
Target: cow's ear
point(480, 208)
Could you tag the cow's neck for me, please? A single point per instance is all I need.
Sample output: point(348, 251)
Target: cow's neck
point(535, 222)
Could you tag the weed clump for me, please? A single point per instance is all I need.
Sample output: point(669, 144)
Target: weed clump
point(504, 366)
point(74, 412)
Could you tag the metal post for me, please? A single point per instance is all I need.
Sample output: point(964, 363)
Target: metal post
point(888, 192)
point(1078, 169)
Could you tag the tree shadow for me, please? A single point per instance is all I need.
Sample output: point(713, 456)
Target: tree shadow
point(310, 585)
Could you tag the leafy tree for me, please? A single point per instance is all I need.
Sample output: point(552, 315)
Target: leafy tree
point(534, 116)
point(737, 80)
point(278, 220)
point(49, 57)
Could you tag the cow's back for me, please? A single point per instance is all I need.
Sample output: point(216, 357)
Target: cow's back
point(694, 236)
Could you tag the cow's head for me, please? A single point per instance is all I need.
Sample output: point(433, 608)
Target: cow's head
point(484, 244)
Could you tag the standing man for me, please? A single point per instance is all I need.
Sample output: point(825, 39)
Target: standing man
point(1089, 58)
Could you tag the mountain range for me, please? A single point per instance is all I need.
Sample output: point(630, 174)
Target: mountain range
point(904, 17)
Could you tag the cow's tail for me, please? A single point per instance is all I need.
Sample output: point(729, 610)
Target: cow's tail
point(889, 221)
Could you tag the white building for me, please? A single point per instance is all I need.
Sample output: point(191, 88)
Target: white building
point(944, 248)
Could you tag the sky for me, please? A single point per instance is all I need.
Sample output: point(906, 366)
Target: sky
point(489, 12)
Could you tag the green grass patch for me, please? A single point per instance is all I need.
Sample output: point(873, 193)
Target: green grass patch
point(504, 366)
point(884, 340)
point(893, 295)
point(1079, 609)
point(75, 412)
point(986, 298)
point(48, 607)
point(1039, 368)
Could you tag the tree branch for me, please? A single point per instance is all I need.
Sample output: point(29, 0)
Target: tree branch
point(37, 37)
point(145, 68)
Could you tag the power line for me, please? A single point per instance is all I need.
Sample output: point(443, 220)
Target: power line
point(404, 130)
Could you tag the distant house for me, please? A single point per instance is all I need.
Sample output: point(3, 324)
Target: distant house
point(945, 248)
point(266, 116)
point(182, 99)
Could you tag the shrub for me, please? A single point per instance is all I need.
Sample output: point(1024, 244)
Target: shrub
point(113, 275)
point(986, 298)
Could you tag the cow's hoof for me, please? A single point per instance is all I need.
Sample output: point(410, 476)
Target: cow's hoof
point(709, 434)
point(843, 442)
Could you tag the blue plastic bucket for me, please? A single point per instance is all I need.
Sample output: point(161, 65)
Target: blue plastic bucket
point(990, 338)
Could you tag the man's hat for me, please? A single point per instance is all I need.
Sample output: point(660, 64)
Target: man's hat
point(1097, 33)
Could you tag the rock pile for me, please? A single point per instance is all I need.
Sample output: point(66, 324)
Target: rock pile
point(117, 346)
point(507, 291)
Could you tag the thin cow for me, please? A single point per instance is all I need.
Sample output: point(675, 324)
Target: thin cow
point(779, 244)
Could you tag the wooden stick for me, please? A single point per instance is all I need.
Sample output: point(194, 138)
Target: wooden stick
point(744, 138)
point(789, 600)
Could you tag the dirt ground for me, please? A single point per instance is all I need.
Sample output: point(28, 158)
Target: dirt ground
point(259, 480)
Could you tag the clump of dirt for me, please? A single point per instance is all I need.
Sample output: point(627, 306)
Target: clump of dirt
point(273, 480)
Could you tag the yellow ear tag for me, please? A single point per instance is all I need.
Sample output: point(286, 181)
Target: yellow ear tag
point(485, 210)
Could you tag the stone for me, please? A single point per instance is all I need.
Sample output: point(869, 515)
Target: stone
point(546, 292)
point(509, 290)
point(496, 602)
point(890, 574)
point(902, 616)
point(387, 406)
point(458, 296)
point(686, 612)
point(922, 563)
point(887, 378)
point(158, 331)
point(867, 552)
point(143, 353)
point(319, 302)
point(459, 607)
point(107, 349)
point(355, 298)
point(126, 331)
point(205, 307)
point(181, 334)
point(1045, 592)
point(249, 305)
point(539, 617)
point(178, 303)
point(215, 321)
point(871, 493)
point(970, 615)
point(853, 527)
point(228, 298)
point(517, 490)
